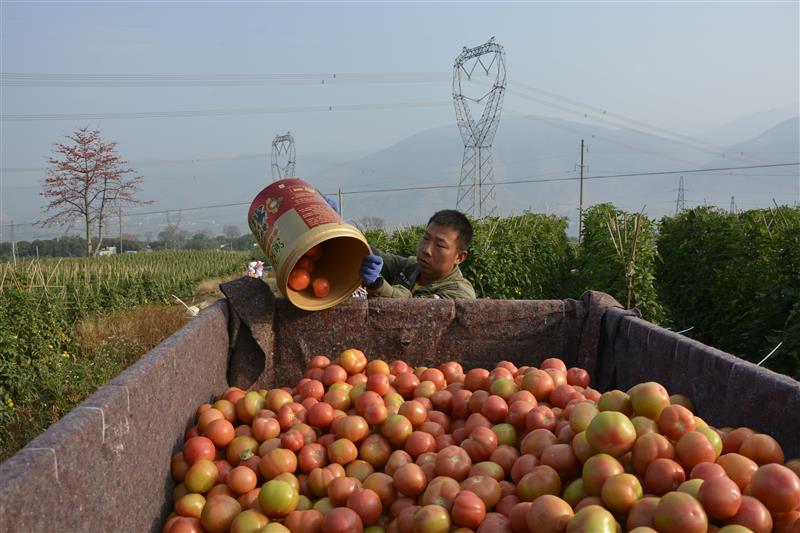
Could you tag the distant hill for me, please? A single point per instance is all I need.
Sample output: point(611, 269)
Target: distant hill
point(525, 149)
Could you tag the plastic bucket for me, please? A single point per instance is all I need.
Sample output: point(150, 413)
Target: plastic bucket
point(288, 218)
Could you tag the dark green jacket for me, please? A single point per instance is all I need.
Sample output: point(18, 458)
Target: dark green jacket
point(401, 273)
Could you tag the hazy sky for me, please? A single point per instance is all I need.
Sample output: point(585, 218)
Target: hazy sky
point(688, 67)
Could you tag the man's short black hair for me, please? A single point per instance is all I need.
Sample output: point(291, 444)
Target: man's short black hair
point(455, 220)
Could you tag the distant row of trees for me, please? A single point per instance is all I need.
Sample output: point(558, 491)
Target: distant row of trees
point(88, 184)
point(171, 238)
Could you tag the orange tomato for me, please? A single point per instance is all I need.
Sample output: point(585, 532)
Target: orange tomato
point(299, 279)
point(321, 287)
point(315, 252)
point(306, 263)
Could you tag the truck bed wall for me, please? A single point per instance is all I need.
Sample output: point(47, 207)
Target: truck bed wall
point(106, 465)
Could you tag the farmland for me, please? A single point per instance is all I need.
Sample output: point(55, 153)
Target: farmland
point(69, 325)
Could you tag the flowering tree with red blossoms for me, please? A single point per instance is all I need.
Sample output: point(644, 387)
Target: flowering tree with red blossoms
point(88, 181)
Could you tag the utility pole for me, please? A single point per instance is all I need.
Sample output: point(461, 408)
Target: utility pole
point(13, 244)
point(733, 206)
point(119, 213)
point(580, 204)
point(341, 205)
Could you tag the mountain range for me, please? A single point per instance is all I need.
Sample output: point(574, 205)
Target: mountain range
point(536, 167)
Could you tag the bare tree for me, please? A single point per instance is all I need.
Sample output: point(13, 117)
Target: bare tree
point(86, 182)
point(370, 223)
point(231, 231)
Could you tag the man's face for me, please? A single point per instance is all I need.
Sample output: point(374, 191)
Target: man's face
point(437, 252)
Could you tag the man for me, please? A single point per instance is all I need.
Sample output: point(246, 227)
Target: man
point(434, 272)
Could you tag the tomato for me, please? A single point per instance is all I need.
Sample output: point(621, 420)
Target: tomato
point(540, 417)
point(480, 444)
point(620, 492)
point(383, 485)
point(299, 279)
point(720, 496)
point(206, 417)
point(662, 476)
point(561, 458)
point(342, 520)
point(367, 505)
point(648, 399)
point(694, 448)
point(648, 448)
point(218, 514)
point(597, 469)
point(190, 505)
point(522, 465)
point(541, 480)
point(734, 439)
point(342, 451)
point(248, 520)
point(420, 442)
point(675, 421)
point(242, 479)
point(739, 468)
point(592, 518)
point(753, 515)
point(320, 415)
point(396, 429)
point(468, 509)
point(487, 489)
point(341, 488)
point(706, 470)
point(440, 491)
point(277, 461)
point(548, 513)
point(410, 480)
point(611, 432)
point(677, 512)
point(376, 450)
point(431, 519)
point(278, 498)
point(314, 253)
point(201, 476)
point(265, 428)
point(311, 456)
point(453, 462)
point(197, 448)
point(642, 513)
point(777, 487)
point(309, 520)
point(762, 449)
point(359, 469)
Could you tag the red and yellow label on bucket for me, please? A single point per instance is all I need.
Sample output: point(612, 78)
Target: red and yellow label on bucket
point(288, 218)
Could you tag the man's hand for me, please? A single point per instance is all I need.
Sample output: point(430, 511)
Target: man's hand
point(332, 203)
point(371, 269)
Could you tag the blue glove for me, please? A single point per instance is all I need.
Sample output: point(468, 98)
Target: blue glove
point(332, 203)
point(371, 269)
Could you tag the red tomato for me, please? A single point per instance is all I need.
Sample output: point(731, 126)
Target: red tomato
point(299, 279)
point(342, 520)
point(314, 252)
point(306, 263)
point(321, 287)
point(197, 448)
point(468, 509)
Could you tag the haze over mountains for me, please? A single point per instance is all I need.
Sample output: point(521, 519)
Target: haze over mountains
point(526, 148)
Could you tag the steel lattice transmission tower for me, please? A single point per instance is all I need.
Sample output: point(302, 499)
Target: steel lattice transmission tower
point(476, 194)
point(680, 204)
point(283, 147)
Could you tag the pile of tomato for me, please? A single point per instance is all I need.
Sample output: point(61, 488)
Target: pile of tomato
point(360, 445)
point(300, 276)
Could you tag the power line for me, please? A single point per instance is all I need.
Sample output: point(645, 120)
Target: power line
point(22, 79)
point(451, 186)
point(218, 112)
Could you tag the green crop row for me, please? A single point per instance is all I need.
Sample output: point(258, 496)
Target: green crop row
point(42, 375)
